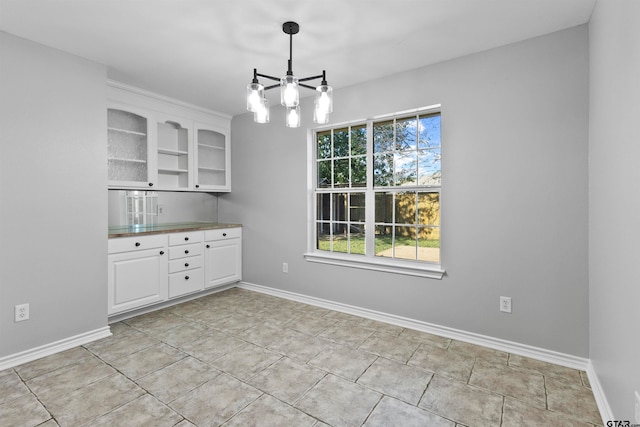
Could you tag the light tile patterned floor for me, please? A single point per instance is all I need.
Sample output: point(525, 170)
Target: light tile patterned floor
point(240, 358)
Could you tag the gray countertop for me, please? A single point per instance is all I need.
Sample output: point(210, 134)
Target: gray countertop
point(138, 230)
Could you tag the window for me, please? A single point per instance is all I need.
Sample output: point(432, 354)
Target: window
point(375, 194)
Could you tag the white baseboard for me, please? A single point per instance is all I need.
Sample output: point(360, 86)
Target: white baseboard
point(598, 392)
point(537, 353)
point(52, 348)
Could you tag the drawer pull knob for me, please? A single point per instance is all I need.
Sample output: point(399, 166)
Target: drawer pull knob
point(186, 264)
point(208, 246)
point(186, 239)
point(161, 252)
point(151, 184)
point(186, 277)
point(186, 251)
point(137, 244)
point(224, 234)
point(197, 186)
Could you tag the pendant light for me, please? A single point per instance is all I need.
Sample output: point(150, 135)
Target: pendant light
point(289, 91)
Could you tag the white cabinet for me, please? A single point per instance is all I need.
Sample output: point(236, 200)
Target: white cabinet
point(223, 256)
point(137, 274)
point(155, 268)
point(186, 272)
point(130, 163)
point(211, 158)
point(162, 144)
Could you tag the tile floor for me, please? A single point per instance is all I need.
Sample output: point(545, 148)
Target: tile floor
point(241, 358)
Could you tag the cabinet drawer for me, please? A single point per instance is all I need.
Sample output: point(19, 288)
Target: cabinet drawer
point(186, 282)
point(185, 264)
point(185, 238)
point(127, 244)
point(183, 251)
point(222, 234)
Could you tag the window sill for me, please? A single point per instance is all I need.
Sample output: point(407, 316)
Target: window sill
point(410, 268)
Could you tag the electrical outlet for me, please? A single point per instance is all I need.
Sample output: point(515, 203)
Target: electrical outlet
point(21, 312)
point(637, 407)
point(285, 267)
point(505, 304)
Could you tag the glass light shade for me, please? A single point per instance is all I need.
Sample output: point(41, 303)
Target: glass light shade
point(324, 99)
point(262, 114)
point(293, 117)
point(255, 93)
point(289, 93)
point(319, 116)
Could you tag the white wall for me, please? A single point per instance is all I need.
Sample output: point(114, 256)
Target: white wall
point(514, 203)
point(614, 209)
point(53, 197)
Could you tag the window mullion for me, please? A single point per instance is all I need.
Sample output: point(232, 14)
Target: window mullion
point(369, 200)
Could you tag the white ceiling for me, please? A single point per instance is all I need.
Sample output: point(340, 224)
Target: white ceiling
point(204, 51)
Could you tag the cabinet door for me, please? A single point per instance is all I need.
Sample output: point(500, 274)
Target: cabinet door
point(130, 161)
point(212, 158)
point(174, 151)
point(136, 279)
point(223, 262)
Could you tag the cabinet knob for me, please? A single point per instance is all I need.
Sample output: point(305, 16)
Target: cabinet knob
point(186, 264)
point(186, 277)
point(197, 185)
point(161, 252)
point(186, 251)
point(224, 234)
point(186, 238)
point(151, 184)
point(137, 244)
point(208, 246)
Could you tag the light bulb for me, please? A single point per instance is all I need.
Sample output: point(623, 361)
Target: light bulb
point(255, 92)
point(289, 95)
point(324, 98)
point(293, 117)
point(262, 114)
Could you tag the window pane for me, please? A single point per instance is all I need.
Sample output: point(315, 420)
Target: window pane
point(340, 242)
point(406, 131)
point(384, 208)
point(324, 236)
point(429, 244)
point(430, 131)
point(429, 208)
point(324, 174)
point(341, 172)
point(383, 240)
point(429, 167)
point(324, 145)
point(358, 140)
point(405, 243)
point(356, 239)
point(356, 206)
point(323, 206)
point(339, 207)
point(406, 168)
point(383, 137)
point(406, 208)
point(358, 171)
point(341, 142)
point(383, 170)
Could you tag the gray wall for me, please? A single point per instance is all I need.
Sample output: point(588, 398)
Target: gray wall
point(514, 203)
point(53, 213)
point(614, 210)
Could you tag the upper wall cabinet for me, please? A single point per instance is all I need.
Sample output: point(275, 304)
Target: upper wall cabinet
point(128, 147)
point(163, 144)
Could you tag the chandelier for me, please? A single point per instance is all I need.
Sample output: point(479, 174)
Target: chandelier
point(289, 91)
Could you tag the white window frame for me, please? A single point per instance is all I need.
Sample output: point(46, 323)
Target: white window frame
point(368, 262)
